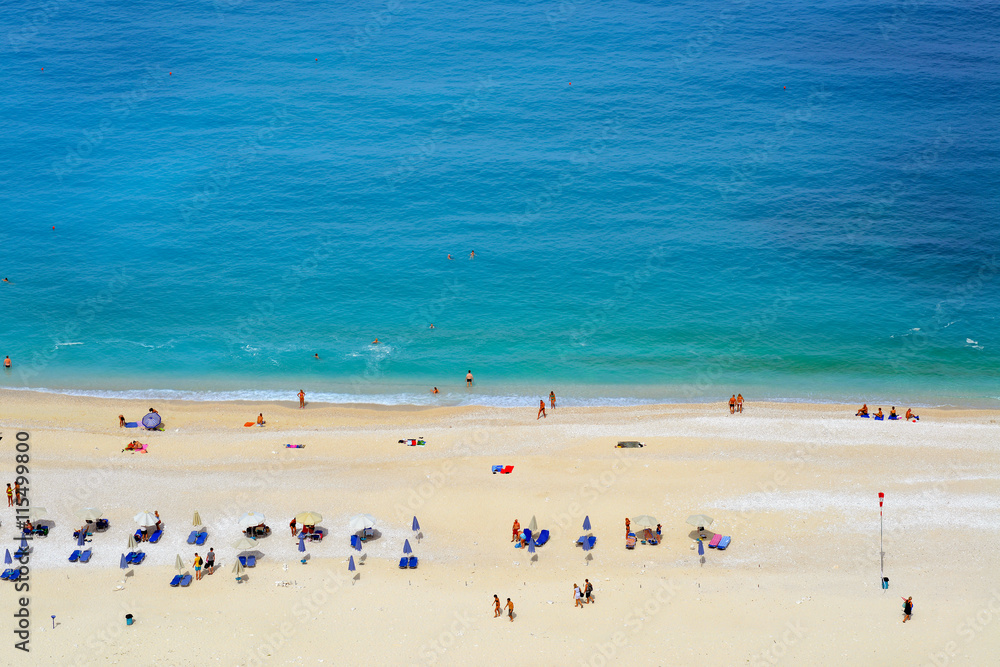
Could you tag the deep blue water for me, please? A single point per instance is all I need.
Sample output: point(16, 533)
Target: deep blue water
point(667, 201)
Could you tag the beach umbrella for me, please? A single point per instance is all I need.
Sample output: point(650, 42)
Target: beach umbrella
point(531, 547)
point(302, 544)
point(416, 525)
point(90, 514)
point(361, 521)
point(700, 520)
point(644, 521)
point(24, 543)
point(406, 547)
point(179, 564)
point(122, 564)
point(145, 519)
point(533, 525)
point(586, 522)
point(82, 538)
point(251, 519)
point(151, 420)
point(7, 560)
point(701, 548)
point(308, 518)
point(238, 569)
point(196, 521)
point(37, 513)
point(357, 545)
point(244, 544)
point(131, 542)
point(350, 565)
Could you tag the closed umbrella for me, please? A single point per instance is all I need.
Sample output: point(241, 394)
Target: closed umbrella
point(238, 569)
point(7, 560)
point(350, 565)
point(82, 538)
point(251, 519)
point(586, 522)
point(700, 521)
point(131, 542)
point(179, 564)
point(122, 564)
point(24, 544)
point(357, 545)
point(531, 547)
point(533, 525)
point(244, 544)
point(308, 518)
point(361, 521)
point(416, 525)
point(701, 548)
point(406, 547)
point(145, 519)
point(196, 521)
point(302, 544)
point(90, 514)
point(644, 521)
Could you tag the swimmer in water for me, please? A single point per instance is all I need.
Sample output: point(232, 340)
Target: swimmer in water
point(449, 257)
point(375, 342)
point(432, 326)
point(7, 281)
point(468, 379)
point(472, 255)
point(317, 356)
point(435, 390)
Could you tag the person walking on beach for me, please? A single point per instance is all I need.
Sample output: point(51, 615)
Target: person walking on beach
point(517, 531)
point(552, 400)
point(210, 561)
point(17, 493)
point(588, 589)
point(510, 610)
point(468, 379)
point(732, 404)
point(302, 399)
point(10, 496)
point(496, 601)
point(628, 526)
point(739, 403)
point(577, 597)
point(907, 608)
point(197, 566)
point(541, 410)
point(292, 526)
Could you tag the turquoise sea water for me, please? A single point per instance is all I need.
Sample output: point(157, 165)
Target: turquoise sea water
point(667, 201)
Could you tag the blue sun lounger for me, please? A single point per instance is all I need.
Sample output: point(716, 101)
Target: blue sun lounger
point(85, 556)
point(20, 553)
point(176, 581)
point(587, 542)
point(202, 536)
point(193, 537)
point(527, 535)
point(724, 542)
point(7, 573)
point(403, 562)
point(248, 561)
point(542, 538)
point(186, 580)
point(75, 556)
point(135, 558)
point(155, 537)
point(413, 562)
point(15, 575)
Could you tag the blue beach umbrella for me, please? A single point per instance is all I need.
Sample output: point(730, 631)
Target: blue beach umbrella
point(406, 547)
point(531, 547)
point(302, 544)
point(151, 420)
point(24, 543)
point(586, 522)
point(350, 565)
point(416, 525)
point(7, 560)
point(701, 548)
point(123, 565)
point(82, 539)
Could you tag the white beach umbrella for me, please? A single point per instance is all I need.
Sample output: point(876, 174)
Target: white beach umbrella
point(179, 564)
point(251, 519)
point(308, 518)
point(533, 525)
point(644, 521)
point(145, 519)
point(238, 568)
point(90, 513)
point(37, 513)
point(196, 521)
point(131, 542)
point(244, 544)
point(361, 521)
point(700, 520)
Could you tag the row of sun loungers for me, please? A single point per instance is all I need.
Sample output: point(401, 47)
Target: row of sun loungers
point(248, 561)
point(195, 537)
point(12, 574)
point(154, 538)
point(720, 542)
point(79, 556)
point(408, 562)
point(180, 580)
point(135, 558)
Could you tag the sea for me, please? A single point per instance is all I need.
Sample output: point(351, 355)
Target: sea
point(666, 201)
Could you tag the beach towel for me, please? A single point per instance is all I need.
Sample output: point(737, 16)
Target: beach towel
point(865, 416)
point(724, 542)
point(715, 541)
point(893, 417)
point(295, 446)
point(630, 444)
point(413, 442)
point(877, 418)
point(249, 424)
point(131, 424)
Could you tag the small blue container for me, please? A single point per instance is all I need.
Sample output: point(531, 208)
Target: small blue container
point(128, 619)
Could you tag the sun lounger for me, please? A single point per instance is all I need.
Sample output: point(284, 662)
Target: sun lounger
point(496, 469)
point(85, 556)
point(15, 575)
point(135, 558)
point(527, 535)
point(103, 524)
point(20, 553)
point(629, 444)
point(176, 581)
point(368, 533)
point(202, 536)
point(186, 580)
point(506, 470)
point(6, 573)
point(630, 541)
point(715, 541)
point(413, 562)
point(542, 538)
point(248, 561)
point(403, 562)
point(193, 537)
point(355, 542)
point(587, 542)
point(724, 542)
point(75, 556)
point(155, 537)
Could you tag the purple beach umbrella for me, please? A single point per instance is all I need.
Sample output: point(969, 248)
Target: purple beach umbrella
point(586, 522)
point(531, 547)
point(7, 560)
point(24, 543)
point(302, 544)
point(406, 547)
point(123, 565)
point(701, 548)
point(83, 538)
point(350, 565)
point(416, 525)
point(151, 420)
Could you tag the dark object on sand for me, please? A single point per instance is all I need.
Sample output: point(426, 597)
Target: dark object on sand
point(630, 443)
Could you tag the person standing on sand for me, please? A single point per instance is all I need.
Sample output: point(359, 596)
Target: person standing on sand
point(517, 531)
point(121, 421)
point(510, 610)
point(628, 526)
point(10, 496)
point(732, 404)
point(541, 410)
point(292, 526)
point(302, 399)
point(588, 588)
point(739, 403)
point(468, 379)
point(577, 597)
point(197, 566)
point(17, 493)
point(907, 608)
point(552, 400)
point(496, 600)
point(210, 561)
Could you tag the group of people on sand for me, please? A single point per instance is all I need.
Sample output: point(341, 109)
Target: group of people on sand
point(496, 608)
point(208, 563)
point(582, 596)
point(541, 405)
point(736, 404)
point(863, 412)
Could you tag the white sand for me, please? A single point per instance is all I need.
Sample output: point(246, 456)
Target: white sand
point(794, 485)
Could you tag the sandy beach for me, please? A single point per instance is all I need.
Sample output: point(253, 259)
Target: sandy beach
point(794, 485)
